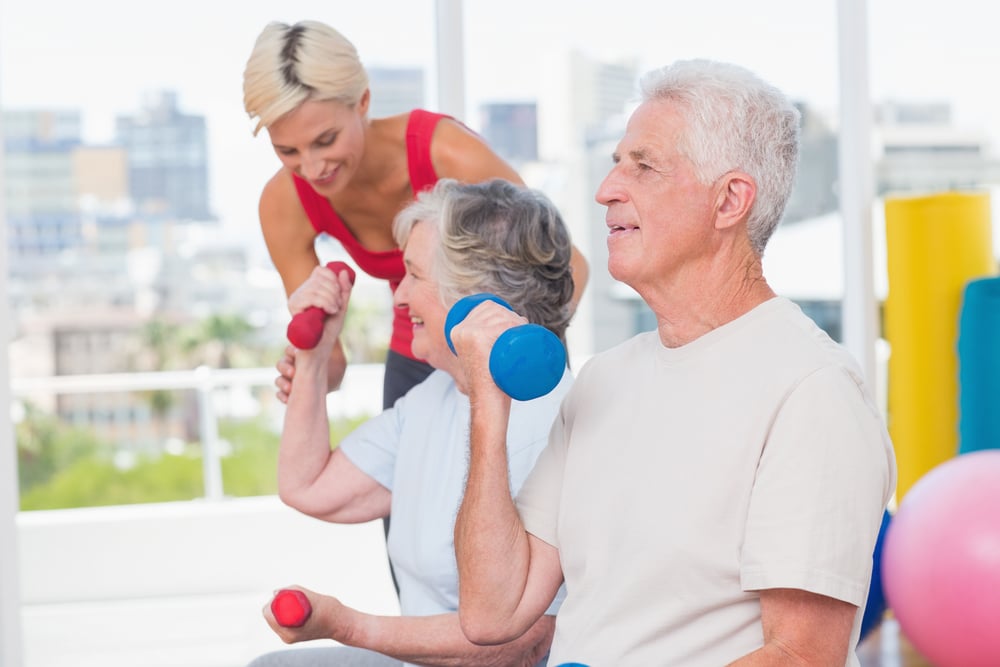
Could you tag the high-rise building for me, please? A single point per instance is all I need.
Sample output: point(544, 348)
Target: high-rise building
point(815, 191)
point(580, 95)
point(39, 190)
point(395, 90)
point(168, 160)
point(101, 185)
point(511, 129)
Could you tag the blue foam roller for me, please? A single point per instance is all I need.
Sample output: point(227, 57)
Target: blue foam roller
point(979, 366)
point(875, 606)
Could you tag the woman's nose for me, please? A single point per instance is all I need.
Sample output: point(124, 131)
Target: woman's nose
point(312, 165)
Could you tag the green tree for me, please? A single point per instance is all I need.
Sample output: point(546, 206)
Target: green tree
point(366, 332)
point(90, 478)
point(160, 342)
point(45, 446)
point(93, 483)
point(219, 338)
point(159, 339)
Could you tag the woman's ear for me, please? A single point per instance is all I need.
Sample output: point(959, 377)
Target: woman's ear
point(737, 194)
point(364, 102)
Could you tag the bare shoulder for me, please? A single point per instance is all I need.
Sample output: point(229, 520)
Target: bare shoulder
point(288, 234)
point(280, 205)
point(279, 191)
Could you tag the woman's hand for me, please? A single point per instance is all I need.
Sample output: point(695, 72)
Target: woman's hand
point(331, 292)
point(323, 289)
point(286, 372)
point(329, 620)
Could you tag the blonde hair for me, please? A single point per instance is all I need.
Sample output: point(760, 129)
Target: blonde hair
point(290, 64)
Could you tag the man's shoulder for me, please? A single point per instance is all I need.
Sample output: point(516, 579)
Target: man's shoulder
point(640, 343)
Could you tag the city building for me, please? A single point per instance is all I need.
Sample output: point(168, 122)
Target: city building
point(39, 183)
point(511, 128)
point(395, 90)
point(109, 241)
point(924, 150)
point(815, 191)
point(103, 203)
point(581, 93)
point(168, 160)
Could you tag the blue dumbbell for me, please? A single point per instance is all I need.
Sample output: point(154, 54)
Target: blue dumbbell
point(526, 361)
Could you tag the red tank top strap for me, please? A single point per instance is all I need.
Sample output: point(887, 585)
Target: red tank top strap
point(419, 133)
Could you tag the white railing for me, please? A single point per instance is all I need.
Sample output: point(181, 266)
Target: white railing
point(360, 393)
point(99, 585)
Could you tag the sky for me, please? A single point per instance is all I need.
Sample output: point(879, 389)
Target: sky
point(102, 56)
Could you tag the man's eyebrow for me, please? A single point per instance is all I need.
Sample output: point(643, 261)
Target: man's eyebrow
point(641, 155)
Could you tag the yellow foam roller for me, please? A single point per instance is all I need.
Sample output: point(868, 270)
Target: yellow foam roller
point(935, 244)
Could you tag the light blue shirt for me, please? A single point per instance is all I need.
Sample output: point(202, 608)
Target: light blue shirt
point(419, 450)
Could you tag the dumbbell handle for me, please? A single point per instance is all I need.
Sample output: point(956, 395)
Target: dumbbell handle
point(526, 361)
point(306, 327)
point(291, 608)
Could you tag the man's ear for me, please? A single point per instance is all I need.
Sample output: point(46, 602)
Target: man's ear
point(737, 193)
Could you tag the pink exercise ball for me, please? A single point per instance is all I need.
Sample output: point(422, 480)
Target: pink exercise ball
point(941, 562)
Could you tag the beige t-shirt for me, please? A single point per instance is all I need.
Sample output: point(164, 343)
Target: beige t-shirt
point(677, 482)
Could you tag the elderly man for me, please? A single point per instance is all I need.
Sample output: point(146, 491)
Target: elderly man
point(711, 491)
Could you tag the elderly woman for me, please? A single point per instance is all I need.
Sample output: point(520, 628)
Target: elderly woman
point(411, 460)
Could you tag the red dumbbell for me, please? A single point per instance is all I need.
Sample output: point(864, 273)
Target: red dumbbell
point(291, 608)
point(306, 327)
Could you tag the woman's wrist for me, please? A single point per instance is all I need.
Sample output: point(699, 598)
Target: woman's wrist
point(350, 627)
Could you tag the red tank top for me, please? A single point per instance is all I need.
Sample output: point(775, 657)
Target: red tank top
point(386, 265)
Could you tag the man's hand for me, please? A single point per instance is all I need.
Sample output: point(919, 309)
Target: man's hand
point(474, 338)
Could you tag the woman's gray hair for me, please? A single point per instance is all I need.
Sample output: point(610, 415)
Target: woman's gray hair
point(734, 121)
point(499, 238)
point(290, 64)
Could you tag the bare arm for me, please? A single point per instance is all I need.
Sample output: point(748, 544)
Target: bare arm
point(802, 628)
point(312, 478)
point(426, 640)
point(507, 578)
point(289, 237)
point(458, 152)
